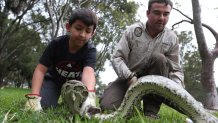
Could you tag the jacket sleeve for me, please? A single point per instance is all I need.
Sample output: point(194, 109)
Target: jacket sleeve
point(120, 56)
point(176, 73)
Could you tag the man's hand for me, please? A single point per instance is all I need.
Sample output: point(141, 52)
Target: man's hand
point(132, 79)
point(89, 106)
point(33, 102)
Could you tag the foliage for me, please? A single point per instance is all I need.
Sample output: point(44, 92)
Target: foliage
point(113, 19)
point(21, 54)
point(191, 63)
point(11, 110)
point(207, 55)
point(17, 39)
point(47, 20)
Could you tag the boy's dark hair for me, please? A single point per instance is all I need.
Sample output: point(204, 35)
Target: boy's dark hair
point(85, 15)
point(167, 2)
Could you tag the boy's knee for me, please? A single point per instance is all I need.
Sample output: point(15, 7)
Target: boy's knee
point(48, 104)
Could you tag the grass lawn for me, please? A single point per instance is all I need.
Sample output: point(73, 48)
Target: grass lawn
point(12, 101)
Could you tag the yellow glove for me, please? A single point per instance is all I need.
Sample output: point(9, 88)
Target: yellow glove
point(33, 102)
point(89, 106)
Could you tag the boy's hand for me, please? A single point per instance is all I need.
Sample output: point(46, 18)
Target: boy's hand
point(89, 106)
point(33, 102)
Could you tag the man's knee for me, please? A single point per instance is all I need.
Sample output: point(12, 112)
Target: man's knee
point(113, 95)
point(108, 104)
point(158, 58)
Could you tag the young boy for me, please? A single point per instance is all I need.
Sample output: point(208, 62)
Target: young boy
point(66, 57)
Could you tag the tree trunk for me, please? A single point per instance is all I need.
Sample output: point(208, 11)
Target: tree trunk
point(209, 86)
point(208, 57)
point(1, 82)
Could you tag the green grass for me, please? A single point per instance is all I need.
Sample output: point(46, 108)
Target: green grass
point(12, 101)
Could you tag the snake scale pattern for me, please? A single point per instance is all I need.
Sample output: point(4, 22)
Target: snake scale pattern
point(154, 84)
point(73, 94)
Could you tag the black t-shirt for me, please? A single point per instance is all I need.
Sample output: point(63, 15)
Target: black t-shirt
point(62, 64)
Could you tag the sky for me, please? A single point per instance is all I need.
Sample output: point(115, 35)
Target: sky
point(209, 15)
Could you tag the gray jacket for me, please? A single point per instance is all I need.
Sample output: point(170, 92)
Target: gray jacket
point(136, 46)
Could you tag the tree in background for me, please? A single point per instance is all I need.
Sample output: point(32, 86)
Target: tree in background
point(47, 19)
point(191, 63)
point(21, 64)
point(15, 37)
point(207, 56)
point(114, 16)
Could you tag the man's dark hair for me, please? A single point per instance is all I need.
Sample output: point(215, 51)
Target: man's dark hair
point(85, 15)
point(167, 2)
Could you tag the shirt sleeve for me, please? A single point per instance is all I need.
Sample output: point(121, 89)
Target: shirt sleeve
point(90, 59)
point(48, 55)
point(120, 56)
point(176, 73)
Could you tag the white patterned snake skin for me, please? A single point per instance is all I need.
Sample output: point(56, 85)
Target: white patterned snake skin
point(154, 84)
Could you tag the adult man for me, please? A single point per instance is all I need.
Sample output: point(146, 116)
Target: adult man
point(145, 49)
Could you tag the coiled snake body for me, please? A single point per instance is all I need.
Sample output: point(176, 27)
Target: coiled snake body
point(162, 86)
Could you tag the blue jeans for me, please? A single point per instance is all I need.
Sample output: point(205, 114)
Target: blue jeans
point(50, 93)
